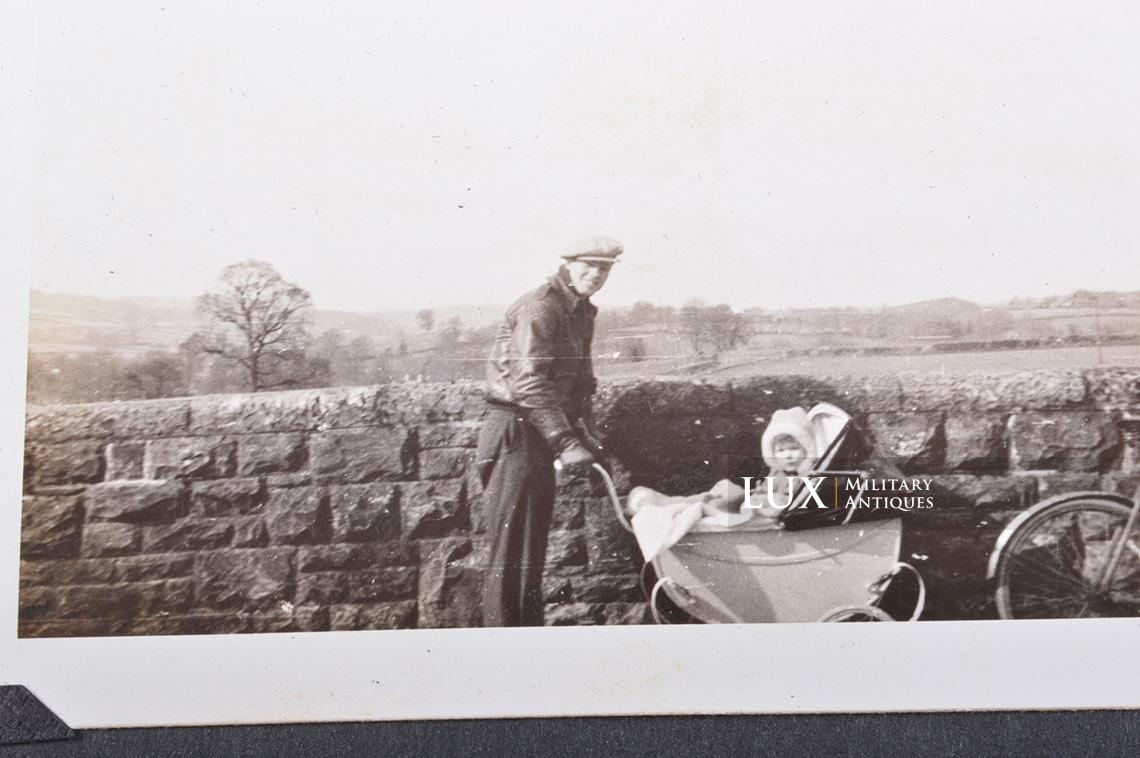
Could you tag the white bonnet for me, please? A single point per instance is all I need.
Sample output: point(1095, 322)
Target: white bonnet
point(793, 422)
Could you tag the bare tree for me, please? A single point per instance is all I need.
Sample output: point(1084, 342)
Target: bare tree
point(426, 319)
point(451, 335)
point(717, 327)
point(258, 322)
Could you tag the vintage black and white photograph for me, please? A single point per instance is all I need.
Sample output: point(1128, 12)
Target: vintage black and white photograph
point(422, 316)
point(347, 336)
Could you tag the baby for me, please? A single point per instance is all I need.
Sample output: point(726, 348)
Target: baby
point(788, 447)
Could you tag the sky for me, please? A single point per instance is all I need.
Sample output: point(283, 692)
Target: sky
point(407, 155)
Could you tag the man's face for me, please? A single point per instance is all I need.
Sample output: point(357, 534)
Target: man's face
point(587, 277)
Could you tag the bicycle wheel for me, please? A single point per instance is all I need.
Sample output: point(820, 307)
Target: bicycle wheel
point(1053, 564)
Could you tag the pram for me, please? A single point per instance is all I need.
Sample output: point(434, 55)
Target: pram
point(831, 564)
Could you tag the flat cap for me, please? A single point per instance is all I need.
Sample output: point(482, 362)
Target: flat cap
point(596, 249)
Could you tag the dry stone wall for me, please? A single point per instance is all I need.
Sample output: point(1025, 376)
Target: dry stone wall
point(341, 509)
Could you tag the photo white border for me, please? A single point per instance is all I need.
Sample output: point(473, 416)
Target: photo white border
point(563, 671)
point(440, 674)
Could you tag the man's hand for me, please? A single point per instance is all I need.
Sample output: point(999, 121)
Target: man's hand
point(587, 433)
point(592, 443)
point(575, 458)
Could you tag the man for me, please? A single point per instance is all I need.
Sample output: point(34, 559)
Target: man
point(541, 379)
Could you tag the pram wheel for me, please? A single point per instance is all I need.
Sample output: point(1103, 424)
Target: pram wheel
point(858, 613)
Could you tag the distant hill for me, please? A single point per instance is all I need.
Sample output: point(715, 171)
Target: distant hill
point(81, 323)
point(943, 307)
point(66, 323)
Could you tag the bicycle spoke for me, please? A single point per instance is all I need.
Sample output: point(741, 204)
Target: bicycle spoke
point(1077, 561)
point(1051, 603)
point(1046, 572)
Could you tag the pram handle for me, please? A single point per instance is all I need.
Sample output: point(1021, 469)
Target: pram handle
point(615, 501)
point(611, 492)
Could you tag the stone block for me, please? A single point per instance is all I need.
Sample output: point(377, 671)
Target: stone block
point(66, 463)
point(859, 394)
point(354, 557)
point(1050, 484)
point(38, 603)
point(364, 512)
point(252, 579)
point(450, 586)
point(282, 481)
point(290, 618)
point(53, 573)
point(140, 501)
point(663, 396)
point(271, 454)
point(680, 453)
point(101, 540)
point(227, 497)
point(434, 509)
point(1117, 389)
point(50, 527)
point(143, 568)
point(1073, 441)
point(976, 443)
point(353, 617)
point(76, 628)
point(250, 531)
point(1127, 484)
point(591, 588)
point(946, 552)
point(1129, 426)
point(125, 460)
point(565, 549)
point(140, 568)
point(297, 516)
point(569, 513)
point(617, 614)
point(120, 601)
point(990, 492)
point(342, 407)
point(610, 549)
point(456, 434)
point(188, 534)
point(914, 441)
point(762, 395)
point(196, 624)
point(190, 457)
point(135, 420)
point(291, 411)
point(354, 456)
point(997, 392)
point(444, 462)
point(405, 403)
point(363, 586)
point(166, 597)
point(575, 614)
point(401, 404)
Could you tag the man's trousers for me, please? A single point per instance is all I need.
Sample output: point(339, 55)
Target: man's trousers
point(516, 468)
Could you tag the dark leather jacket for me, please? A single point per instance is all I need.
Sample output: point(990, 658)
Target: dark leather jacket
point(540, 363)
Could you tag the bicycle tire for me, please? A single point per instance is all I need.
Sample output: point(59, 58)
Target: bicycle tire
point(1036, 579)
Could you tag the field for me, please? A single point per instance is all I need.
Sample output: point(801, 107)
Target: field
point(1051, 358)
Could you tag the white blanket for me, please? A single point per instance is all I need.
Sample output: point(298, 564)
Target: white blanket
point(659, 527)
